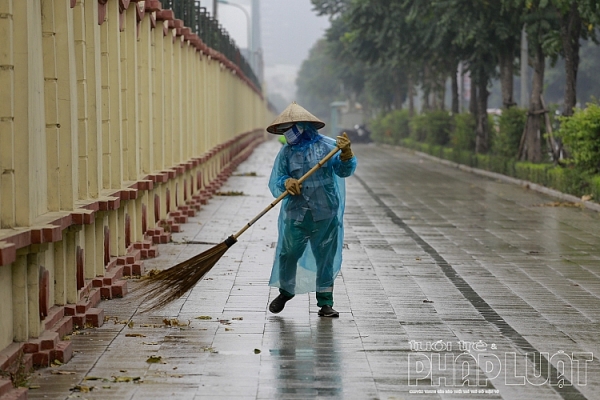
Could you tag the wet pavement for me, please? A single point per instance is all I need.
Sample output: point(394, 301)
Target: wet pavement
point(453, 286)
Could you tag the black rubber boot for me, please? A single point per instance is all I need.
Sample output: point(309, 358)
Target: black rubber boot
point(278, 304)
point(328, 311)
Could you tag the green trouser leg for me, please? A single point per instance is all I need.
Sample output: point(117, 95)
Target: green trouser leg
point(286, 294)
point(324, 299)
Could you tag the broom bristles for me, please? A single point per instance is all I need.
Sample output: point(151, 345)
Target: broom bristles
point(170, 284)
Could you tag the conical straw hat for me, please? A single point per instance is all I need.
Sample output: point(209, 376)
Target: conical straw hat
point(293, 113)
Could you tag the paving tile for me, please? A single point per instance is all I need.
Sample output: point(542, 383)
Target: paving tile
point(434, 256)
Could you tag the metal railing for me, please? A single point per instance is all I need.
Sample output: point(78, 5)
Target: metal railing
point(200, 21)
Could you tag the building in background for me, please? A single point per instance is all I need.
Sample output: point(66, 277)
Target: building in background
point(280, 40)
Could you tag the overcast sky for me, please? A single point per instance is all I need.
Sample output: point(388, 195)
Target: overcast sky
point(289, 28)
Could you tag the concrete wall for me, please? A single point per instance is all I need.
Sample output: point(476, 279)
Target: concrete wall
point(113, 118)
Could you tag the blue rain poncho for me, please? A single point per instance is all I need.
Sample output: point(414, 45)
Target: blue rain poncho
point(311, 232)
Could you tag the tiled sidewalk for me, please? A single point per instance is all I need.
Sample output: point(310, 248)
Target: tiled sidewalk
point(437, 260)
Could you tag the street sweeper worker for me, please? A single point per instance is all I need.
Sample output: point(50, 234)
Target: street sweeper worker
point(311, 231)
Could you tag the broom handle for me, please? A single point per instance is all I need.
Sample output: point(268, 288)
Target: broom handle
point(282, 195)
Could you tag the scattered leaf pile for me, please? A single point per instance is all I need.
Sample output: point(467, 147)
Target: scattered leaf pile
point(209, 349)
point(230, 193)
point(175, 322)
point(560, 204)
point(134, 335)
point(153, 271)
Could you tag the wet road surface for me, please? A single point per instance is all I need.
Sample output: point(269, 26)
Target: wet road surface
point(453, 286)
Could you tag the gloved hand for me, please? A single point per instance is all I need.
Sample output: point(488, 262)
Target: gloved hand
point(293, 186)
point(343, 142)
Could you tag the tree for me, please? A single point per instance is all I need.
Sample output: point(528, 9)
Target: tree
point(576, 20)
point(540, 21)
point(317, 81)
point(474, 27)
point(332, 8)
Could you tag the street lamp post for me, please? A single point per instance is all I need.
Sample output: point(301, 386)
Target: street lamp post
point(248, 24)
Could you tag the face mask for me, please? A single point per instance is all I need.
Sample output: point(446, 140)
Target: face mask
point(292, 135)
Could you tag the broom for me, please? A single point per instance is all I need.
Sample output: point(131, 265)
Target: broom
point(170, 284)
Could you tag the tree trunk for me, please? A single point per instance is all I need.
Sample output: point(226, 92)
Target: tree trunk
point(440, 94)
point(455, 108)
point(411, 96)
point(473, 99)
point(482, 138)
point(398, 97)
point(570, 31)
point(532, 142)
point(426, 105)
point(507, 72)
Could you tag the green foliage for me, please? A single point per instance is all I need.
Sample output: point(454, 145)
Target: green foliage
point(573, 181)
point(511, 123)
point(595, 187)
point(581, 135)
point(463, 135)
point(432, 127)
point(394, 127)
point(532, 172)
point(329, 7)
point(317, 82)
point(567, 180)
point(418, 127)
point(391, 127)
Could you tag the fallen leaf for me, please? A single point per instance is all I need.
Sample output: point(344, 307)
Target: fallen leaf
point(153, 271)
point(34, 386)
point(154, 359)
point(92, 378)
point(83, 388)
point(150, 343)
point(204, 317)
point(175, 322)
point(125, 378)
point(58, 372)
point(130, 324)
point(237, 318)
point(559, 204)
point(256, 351)
point(134, 335)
